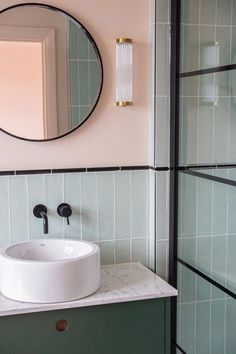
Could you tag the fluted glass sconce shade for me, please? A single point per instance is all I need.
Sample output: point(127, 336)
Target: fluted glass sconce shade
point(210, 58)
point(124, 74)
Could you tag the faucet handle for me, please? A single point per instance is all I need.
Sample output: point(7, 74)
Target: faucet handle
point(38, 209)
point(65, 211)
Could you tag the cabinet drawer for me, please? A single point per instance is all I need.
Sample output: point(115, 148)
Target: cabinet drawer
point(124, 328)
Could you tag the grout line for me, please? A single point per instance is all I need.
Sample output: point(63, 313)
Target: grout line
point(63, 198)
point(81, 206)
point(9, 210)
point(204, 301)
point(114, 191)
point(27, 206)
point(131, 215)
point(220, 96)
point(206, 25)
point(97, 202)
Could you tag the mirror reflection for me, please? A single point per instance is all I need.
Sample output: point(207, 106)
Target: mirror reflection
point(50, 72)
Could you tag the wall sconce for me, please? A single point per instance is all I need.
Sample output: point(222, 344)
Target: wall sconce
point(124, 74)
point(209, 86)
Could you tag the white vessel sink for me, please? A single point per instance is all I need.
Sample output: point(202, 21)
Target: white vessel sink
point(50, 270)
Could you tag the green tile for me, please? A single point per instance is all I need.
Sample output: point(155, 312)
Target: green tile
point(73, 40)
point(188, 130)
point(5, 236)
point(187, 207)
point(190, 11)
point(207, 12)
point(189, 86)
point(83, 45)
point(232, 134)
point(231, 215)
point(233, 41)
point(122, 251)
point(19, 208)
point(84, 89)
point(224, 12)
point(231, 263)
point(95, 80)
point(204, 254)
point(217, 326)
point(139, 250)
point(162, 13)
point(220, 200)
point(161, 260)
point(106, 205)
point(74, 83)
point(204, 206)
point(206, 131)
point(92, 52)
point(72, 196)
point(188, 328)
point(107, 252)
point(230, 326)
point(187, 250)
point(190, 48)
point(202, 327)
point(75, 116)
point(188, 285)
point(162, 60)
point(219, 248)
point(89, 206)
point(221, 127)
point(36, 195)
point(84, 112)
point(207, 39)
point(54, 197)
point(123, 204)
point(203, 289)
point(140, 203)
point(223, 38)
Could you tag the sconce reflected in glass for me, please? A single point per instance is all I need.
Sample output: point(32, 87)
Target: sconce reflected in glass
point(209, 84)
point(124, 72)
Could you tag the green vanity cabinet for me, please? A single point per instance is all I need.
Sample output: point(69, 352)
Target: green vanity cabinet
point(138, 327)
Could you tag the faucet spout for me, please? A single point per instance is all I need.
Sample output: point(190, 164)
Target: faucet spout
point(40, 211)
point(45, 221)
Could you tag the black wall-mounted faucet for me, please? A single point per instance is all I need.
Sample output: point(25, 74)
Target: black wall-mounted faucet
point(40, 211)
point(65, 211)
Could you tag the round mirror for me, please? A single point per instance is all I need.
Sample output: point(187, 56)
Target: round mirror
point(50, 72)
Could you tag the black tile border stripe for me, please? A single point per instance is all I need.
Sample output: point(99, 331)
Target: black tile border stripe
point(210, 177)
point(210, 280)
point(208, 71)
point(7, 173)
point(159, 168)
point(83, 169)
point(223, 165)
point(179, 348)
point(68, 170)
point(32, 172)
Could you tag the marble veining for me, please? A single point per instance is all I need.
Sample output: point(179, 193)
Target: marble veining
point(119, 283)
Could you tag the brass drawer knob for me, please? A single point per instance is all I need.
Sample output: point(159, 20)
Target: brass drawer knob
point(62, 325)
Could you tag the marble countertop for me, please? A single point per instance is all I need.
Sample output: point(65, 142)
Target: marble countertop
point(119, 283)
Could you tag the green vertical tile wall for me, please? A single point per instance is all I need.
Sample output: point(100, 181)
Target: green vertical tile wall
point(110, 208)
point(84, 72)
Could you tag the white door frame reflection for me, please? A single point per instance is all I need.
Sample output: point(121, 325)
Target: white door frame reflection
point(37, 87)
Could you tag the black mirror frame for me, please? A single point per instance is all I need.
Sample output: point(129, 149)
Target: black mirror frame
point(95, 48)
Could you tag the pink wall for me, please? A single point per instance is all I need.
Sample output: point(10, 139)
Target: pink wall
point(21, 88)
point(112, 135)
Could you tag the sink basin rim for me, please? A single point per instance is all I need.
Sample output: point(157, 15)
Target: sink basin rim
point(3, 251)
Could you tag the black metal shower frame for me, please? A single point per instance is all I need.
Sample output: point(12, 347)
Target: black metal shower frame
point(175, 168)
